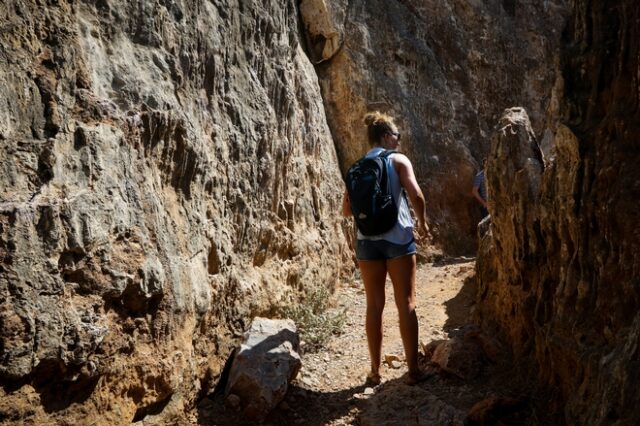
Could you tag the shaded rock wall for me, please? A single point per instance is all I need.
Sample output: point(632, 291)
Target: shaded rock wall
point(559, 271)
point(446, 70)
point(167, 174)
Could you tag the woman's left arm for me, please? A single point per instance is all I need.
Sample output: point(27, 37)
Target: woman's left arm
point(410, 184)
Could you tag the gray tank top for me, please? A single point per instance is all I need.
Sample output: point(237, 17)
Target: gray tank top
point(402, 231)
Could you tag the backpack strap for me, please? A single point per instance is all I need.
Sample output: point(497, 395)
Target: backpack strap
point(386, 180)
point(385, 154)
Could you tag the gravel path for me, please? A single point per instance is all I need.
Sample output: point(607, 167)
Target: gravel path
point(330, 389)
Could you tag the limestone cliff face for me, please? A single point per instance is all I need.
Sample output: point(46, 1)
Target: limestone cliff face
point(167, 173)
point(559, 271)
point(446, 70)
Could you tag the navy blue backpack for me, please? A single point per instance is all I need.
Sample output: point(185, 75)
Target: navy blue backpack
point(372, 203)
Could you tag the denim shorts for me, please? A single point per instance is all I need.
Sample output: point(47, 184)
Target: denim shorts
point(383, 250)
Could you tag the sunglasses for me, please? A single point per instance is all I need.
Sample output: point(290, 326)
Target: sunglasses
point(396, 134)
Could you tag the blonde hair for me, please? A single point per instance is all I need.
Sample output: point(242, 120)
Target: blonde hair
point(378, 124)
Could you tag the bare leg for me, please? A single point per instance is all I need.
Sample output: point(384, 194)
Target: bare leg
point(374, 275)
point(403, 275)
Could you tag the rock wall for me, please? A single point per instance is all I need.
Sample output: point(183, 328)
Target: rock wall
point(559, 270)
point(446, 70)
point(167, 174)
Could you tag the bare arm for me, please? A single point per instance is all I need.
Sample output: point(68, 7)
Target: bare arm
point(476, 195)
point(408, 181)
point(346, 205)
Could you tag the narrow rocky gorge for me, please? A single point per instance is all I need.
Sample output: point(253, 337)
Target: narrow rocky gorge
point(446, 70)
point(172, 169)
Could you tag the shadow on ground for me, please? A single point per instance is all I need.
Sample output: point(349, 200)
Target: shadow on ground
point(442, 399)
point(458, 309)
point(300, 407)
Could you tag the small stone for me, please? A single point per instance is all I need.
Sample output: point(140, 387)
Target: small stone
point(233, 401)
point(368, 391)
point(396, 364)
point(388, 359)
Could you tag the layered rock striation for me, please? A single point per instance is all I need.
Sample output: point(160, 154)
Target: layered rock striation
point(167, 174)
point(559, 268)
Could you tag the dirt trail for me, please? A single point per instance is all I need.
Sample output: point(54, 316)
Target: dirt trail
point(330, 389)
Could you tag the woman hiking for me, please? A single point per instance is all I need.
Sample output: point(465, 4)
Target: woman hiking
point(392, 252)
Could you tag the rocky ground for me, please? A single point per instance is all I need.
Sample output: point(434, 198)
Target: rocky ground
point(468, 386)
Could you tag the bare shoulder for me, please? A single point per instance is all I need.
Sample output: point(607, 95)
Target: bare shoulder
point(399, 157)
point(401, 161)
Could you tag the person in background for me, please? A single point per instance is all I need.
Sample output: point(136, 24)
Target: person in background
point(393, 252)
point(479, 190)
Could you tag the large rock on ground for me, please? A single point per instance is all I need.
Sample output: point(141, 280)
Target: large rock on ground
point(465, 354)
point(264, 366)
